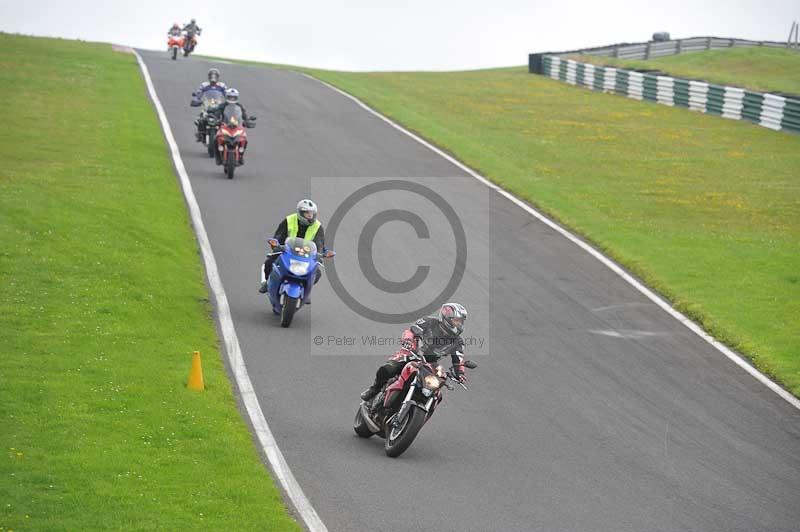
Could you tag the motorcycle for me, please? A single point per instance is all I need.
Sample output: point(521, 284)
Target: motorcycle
point(292, 275)
point(405, 403)
point(189, 42)
point(174, 43)
point(231, 137)
point(207, 133)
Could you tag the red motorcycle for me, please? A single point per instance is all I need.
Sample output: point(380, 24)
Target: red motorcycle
point(405, 403)
point(231, 139)
point(174, 43)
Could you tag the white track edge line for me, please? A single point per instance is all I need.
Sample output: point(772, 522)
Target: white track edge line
point(232, 347)
point(613, 266)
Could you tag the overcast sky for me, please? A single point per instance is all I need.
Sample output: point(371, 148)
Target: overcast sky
point(399, 35)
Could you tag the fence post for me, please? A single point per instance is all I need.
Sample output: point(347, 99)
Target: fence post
point(797, 35)
point(679, 48)
point(791, 31)
point(731, 43)
point(647, 51)
point(708, 43)
point(616, 51)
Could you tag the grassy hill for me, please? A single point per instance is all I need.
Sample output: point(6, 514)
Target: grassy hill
point(760, 69)
point(102, 301)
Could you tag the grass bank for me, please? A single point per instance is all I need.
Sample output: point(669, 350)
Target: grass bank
point(760, 69)
point(705, 210)
point(102, 300)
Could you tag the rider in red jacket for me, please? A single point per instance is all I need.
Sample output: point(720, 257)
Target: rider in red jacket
point(431, 337)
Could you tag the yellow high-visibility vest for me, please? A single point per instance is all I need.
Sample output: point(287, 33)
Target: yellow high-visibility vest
point(292, 225)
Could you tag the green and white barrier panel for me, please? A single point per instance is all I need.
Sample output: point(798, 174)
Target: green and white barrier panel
point(767, 110)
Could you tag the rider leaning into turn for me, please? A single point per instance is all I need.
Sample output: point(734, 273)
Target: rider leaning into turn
point(303, 224)
point(175, 30)
point(431, 337)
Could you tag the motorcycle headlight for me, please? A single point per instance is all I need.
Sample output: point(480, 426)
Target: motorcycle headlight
point(432, 382)
point(299, 267)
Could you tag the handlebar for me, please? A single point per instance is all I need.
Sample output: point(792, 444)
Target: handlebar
point(449, 375)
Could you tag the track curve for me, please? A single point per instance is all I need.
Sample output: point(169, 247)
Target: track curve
point(595, 410)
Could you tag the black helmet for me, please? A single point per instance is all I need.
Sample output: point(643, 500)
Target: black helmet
point(305, 207)
point(452, 317)
point(213, 76)
point(193, 21)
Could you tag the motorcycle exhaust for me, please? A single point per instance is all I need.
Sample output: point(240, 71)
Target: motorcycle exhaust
point(367, 419)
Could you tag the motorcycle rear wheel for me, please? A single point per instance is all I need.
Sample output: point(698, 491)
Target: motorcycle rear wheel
point(360, 426)
point(398, 440)
point(287, 312)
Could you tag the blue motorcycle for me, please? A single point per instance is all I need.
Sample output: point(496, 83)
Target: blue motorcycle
point(293, 275)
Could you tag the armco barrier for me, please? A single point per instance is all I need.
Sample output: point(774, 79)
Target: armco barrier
point(652, 49)
point(768, 110)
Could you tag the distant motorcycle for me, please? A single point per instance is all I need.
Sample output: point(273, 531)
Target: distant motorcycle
point(292, 275)
point(207, 133)
point(189, 42)
point(405, 404)
point(174, 43)
point(231, 137)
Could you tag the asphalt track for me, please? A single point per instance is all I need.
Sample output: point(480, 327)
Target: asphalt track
point(594, 410)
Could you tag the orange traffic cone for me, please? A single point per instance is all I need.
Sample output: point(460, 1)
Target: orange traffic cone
point(196, 374)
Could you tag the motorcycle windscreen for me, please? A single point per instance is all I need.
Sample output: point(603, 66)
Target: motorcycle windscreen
point(232, 115)
point(301, 248)
point(212, 98)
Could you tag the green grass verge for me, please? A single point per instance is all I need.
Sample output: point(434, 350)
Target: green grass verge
point(759, 69)
point(705, 210)
point(102, 300)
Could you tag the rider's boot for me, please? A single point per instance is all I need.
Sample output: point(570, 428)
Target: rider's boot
point(373, 390)
point(369, 393)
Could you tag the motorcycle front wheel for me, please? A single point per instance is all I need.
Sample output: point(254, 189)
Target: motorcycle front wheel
point(230, 166)
point(174, 53)
point(399, 438)
point(287, 312)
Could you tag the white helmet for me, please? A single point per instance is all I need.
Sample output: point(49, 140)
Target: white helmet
point(303, 208)
point(232, 96)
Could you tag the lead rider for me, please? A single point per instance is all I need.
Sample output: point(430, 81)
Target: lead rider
point(431, 337)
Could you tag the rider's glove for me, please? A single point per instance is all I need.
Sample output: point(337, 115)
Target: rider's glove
point(273, 243)
point(460, 377)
